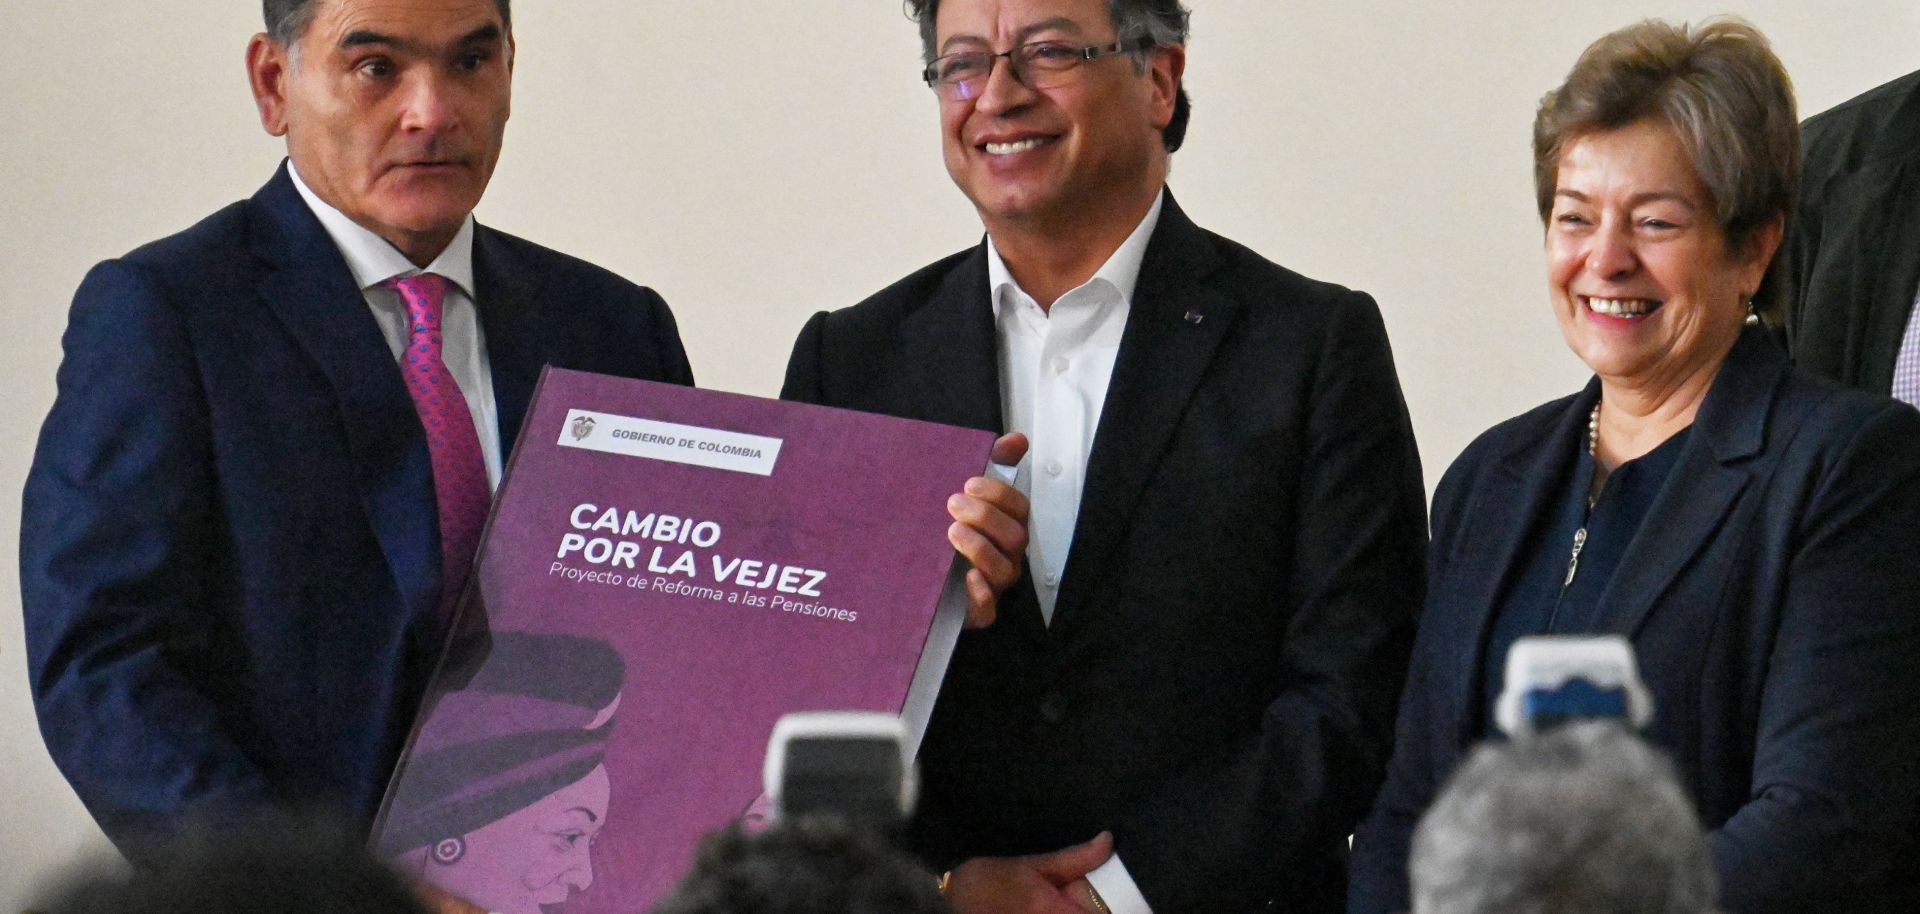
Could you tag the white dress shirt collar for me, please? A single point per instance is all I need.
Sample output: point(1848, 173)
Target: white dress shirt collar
point(1121, 271)
point(375, 260)
point(1055, 367)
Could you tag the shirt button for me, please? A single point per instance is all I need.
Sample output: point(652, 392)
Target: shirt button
point(1060, 364)
point(1054, 468)
point(1053, 708)
point(1053, 580)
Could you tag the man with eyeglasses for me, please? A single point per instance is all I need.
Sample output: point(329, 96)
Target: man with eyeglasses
point(1187, 700)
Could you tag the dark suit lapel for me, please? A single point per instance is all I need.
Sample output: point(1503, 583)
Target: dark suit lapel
point(1505, 518)
point(1886, 270)
point(519, 337)
point(953, 348)
point(1692, 505)
point(309, 288)
point(1174, 324)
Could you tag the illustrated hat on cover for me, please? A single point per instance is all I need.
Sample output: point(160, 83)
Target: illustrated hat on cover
point(533, 717)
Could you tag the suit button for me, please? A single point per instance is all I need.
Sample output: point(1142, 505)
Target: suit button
point(1053, 708)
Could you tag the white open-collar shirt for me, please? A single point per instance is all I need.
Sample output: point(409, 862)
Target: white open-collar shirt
point(1055, 365)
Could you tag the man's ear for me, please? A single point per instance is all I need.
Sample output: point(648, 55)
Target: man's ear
point(268, 64)
point(1165, 66)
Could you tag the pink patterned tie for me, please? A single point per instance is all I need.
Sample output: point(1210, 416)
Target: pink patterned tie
point(459, 472)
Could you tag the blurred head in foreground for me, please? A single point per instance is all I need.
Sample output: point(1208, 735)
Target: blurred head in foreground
point(809, 865)
point(1585, 819)
point(282, 867)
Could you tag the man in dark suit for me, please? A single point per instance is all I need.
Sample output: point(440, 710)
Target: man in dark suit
point(1186, 703)
point(276, 433)
point(1854, 243)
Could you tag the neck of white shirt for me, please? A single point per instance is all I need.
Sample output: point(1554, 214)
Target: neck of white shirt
point(373, 259)
point(1121, 268)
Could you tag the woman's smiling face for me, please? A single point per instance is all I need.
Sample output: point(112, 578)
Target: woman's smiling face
point(1644, 285)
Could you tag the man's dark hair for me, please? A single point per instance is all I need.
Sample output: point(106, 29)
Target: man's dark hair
point(810, 865)
point(283, 866)
point(1162, 22)
point(287, 20)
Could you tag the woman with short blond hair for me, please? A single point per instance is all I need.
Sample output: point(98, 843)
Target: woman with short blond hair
point(1751, 530)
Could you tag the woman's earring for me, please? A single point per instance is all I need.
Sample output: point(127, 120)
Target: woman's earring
point(1753, 318)
point(448, 851)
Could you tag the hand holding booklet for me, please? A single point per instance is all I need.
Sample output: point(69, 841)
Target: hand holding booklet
point(666, 572)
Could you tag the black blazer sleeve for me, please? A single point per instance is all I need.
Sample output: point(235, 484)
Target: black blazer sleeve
point(803, 366)
point(1836, 778)
point(1230, 835)
point(1378, 884)
point(665, 333)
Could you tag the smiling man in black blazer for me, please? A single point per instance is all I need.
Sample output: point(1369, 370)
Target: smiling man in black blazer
point(1227, 524)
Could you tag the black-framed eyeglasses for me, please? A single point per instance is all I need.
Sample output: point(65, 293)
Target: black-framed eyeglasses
point(962, 75)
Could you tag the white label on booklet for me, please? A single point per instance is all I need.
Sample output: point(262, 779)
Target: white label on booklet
point(691, 444)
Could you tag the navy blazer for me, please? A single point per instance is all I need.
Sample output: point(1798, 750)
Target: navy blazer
point(1772, 595)
point(229, 545)
point(1217, 683)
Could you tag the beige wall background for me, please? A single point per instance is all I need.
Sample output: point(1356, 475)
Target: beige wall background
point(758, 161)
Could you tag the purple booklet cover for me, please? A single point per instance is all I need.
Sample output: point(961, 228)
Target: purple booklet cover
point(665, 573)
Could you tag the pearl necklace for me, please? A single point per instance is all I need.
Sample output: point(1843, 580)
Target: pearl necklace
point(1580, 535)
point(1593, 431)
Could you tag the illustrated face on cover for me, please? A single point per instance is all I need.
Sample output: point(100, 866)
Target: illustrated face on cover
point(504, 792)
point(536, 855)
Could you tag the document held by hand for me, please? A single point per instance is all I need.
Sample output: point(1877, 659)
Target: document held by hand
point(666, 572)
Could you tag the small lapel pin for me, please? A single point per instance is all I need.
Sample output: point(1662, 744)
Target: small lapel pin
point(1194, 317)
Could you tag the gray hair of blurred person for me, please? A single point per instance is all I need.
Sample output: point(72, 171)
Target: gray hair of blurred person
point(1727, 98)
point(287, 20)
point(1161, 22)
point(1585, 818)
